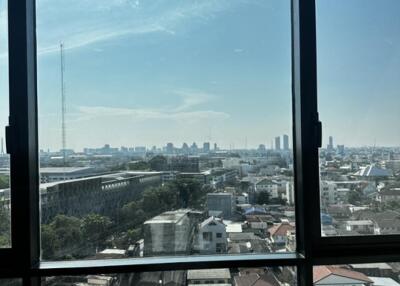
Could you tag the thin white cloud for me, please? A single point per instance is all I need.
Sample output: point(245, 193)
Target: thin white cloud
point(84, 22)
point(191, 98)
point(92, 112)
point(183, 111)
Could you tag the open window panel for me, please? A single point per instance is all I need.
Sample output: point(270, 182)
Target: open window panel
point(358, 86)
point(366, 274)
point(219, 276)
point(5, 196)
point(164, 128)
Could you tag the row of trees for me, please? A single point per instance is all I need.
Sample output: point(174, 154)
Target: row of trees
point(70, 237)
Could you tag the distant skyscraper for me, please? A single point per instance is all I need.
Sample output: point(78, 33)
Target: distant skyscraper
point(215, 147)
point(206, 147)
point(278, 143)
point(185, 148)
point(194, 148)
point(261, 148)
point(330, 145)
point(340, 149)
point(170, 148)
point(285, 142)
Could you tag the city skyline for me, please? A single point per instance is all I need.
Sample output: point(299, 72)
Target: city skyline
point(184, 72)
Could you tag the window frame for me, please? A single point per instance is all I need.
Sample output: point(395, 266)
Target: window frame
point(23, 258)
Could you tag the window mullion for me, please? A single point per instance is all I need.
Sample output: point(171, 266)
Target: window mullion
point(306, 132)
point(23, 133)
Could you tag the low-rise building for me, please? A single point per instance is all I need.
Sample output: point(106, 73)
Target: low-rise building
point(223, 202)
point(360, 226)
point(170, 233)
point(219, 276)
point(211, 237)
point(337, 276)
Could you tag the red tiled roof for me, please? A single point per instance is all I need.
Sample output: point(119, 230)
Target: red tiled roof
point(280, 229)
point(320, 272)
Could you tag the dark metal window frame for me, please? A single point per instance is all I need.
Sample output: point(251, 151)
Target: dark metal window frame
point(23, 258)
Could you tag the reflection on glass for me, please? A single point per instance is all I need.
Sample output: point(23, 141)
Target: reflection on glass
point(221, 276)
point(358, 86)
point(10, 282)
point(161, 128)
point(5, 203)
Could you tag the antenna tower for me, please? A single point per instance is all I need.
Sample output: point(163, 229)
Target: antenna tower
point(63, 106)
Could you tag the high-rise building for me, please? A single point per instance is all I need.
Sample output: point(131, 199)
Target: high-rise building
point(285, 142)
point(278, 143)
point(170, 148)
point(185, 148)
point(330, 144)
point(206, 147)
point(215, 147)
point(340, 149)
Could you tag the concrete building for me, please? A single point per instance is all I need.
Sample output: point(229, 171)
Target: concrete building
point(170, 233)
point(290, 193)
point(267, 185)
point(331, 194)
point(98, 194)
point(211, 237)
point(170, 148)
point(221, 202)
point(330, 144)
point(206, 147)
point(278, 143)
point(285, 142)
point(218, 276)
point(360, 226)
point(56, 174)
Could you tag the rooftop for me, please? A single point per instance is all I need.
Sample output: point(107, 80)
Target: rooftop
point(321, 272)
point(218, 273)
point(168, 217)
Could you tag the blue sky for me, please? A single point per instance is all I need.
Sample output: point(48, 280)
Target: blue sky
point(148, 72)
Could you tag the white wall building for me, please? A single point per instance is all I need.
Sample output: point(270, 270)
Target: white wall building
point(212, 236)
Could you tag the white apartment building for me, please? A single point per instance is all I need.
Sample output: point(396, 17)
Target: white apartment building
point(212, 237)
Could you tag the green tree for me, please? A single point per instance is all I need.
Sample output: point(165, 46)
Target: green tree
point(354, 197)
point(132, 215)
point(262, 198)
point(133, 235)
point(96, 229)
point(190, 193)
point(50, 242)
point(4, 182)
point(138, 166)
point(151, 202)
point(69, 236)
point(158, 163)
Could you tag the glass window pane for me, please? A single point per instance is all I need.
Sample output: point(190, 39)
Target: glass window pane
point(358, 82)
point(5, 203)
point(379, 274)
point(221, 276)
point(161, 128)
